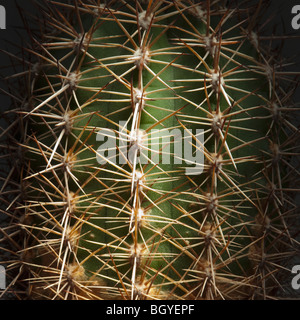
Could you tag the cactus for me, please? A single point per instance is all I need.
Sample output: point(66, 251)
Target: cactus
point(150, 148)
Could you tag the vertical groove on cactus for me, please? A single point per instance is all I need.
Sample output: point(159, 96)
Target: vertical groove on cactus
point(150, 147)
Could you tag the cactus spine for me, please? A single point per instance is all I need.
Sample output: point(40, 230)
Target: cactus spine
point(120, 196)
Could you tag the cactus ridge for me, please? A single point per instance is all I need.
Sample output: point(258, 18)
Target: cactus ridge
point(150, 148)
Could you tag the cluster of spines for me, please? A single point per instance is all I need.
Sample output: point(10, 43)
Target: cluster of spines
point(226, 201)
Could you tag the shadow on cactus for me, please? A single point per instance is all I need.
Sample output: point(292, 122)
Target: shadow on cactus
point(150, 148)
